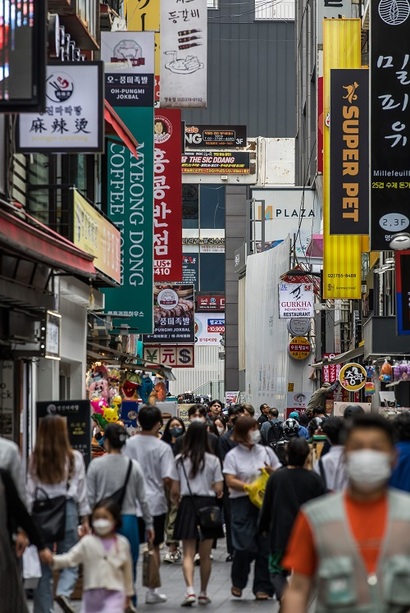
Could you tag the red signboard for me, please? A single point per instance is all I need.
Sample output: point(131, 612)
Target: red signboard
point(330, 372)
point(210, 303)
point(167, 196)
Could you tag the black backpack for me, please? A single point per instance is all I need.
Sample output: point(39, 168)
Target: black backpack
point(274, 434)
point(280, 448)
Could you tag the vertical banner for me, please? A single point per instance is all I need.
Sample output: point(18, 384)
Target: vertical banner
point(349, 151)
point(320, 125)
point(167, 195)
point(341, 254)
point(145, 17)
point(129, 77)
point(184, 54)
point(390, 121)
point(403, 292)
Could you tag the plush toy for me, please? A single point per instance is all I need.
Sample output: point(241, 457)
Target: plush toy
point(130, 386)
point(110, 415)
point(98, 404)
point(146, 388)
point(98, 389)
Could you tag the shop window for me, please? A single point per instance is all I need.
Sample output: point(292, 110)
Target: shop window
point(212, 206)
point(190, 206)
point(212, 272)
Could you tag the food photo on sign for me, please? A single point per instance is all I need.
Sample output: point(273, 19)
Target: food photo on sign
point(174, 311)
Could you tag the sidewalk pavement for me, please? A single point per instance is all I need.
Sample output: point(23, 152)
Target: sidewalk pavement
point(219, 590)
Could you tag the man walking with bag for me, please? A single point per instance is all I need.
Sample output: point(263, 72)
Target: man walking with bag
point(157, 462)
point(355, 545)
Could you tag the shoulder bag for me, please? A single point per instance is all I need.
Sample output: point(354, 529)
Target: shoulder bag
point(119, 495)
point(49, 514)
point(209, 517)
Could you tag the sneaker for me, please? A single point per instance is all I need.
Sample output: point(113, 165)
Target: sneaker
point(169, 558)
point(155, 598)
point(189, 600)
point(197, 559)
point(177, 555)
point(65, 604)
point(203, 599)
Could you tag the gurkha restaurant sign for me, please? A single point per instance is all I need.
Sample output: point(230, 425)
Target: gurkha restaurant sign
point(73, 120)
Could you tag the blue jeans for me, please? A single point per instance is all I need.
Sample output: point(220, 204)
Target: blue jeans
point(43, 594)
point(130, 530)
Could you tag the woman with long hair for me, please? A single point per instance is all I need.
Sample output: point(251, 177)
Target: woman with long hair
point(58, 470)
point(112, 471)
point(242, 465)
point(174, 428)
point(197, 481)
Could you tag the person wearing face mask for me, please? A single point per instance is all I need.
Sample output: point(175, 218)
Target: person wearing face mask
point(107, 564)
point(242, 465)
point(197, 413)
point(157, 461)
point(355, 545)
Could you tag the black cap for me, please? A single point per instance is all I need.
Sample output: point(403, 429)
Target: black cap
point(352, 410)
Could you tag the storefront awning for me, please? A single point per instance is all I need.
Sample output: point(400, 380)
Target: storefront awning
point(22, 234)
point(340, 358)
point(115, 125)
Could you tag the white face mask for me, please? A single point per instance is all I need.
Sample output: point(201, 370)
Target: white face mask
point(368, 469)
point(103, 526)
point(221, 430)
point(255, 436)
point(198, 419)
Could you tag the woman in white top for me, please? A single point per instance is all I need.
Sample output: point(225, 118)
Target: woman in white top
point(242, 465)
point(197, 481)
point(57, 469)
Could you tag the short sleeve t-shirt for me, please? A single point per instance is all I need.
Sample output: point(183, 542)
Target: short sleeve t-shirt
point(245, 463)
point(367, 522)
point(201, 484)
point(157, 463)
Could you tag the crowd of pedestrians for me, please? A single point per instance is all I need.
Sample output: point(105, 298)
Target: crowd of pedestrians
point(317, 521)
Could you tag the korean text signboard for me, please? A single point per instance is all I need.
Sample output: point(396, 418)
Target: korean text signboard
point(130, 180)
point(403, 292)
point(216, 162)
point(295, 300)
point(390, 121)
point(167, 196)
point(190, 269)
point(352, 377)
point(184, 53)
point(330, 372)
point(299, 348)
point(204, 136)
point(77, 414)
point(174, 312)
point(349, 151)
point(73, 120)
point(209, 329)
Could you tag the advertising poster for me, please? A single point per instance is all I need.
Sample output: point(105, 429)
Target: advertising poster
point(342, 254)
point(209, 329)
point(204, 136)
point(296, 300)
point(390, 125)
point(174, 312)
point(216, 162)
point(130, 180)
point(167, 196)
point(73, 120)
point(298, 401)
point(77, 414)
point(349, 151)
point(403, 292)
point(208, 302)
point(190, 269)
point(184, 54)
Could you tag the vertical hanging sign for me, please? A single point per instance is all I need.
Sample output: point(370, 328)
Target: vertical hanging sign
point(129, 83)
point(184, 54)
point(167, 196)
point(390, 120)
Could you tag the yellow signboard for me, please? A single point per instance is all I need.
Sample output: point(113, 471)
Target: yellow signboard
point(353, 377)
point(96, 235)
point(144, 17)
point(341, 253)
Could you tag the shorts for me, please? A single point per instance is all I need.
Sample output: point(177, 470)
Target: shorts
point(159, 528)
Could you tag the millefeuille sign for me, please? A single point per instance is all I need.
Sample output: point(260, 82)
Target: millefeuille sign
point(349, 151)
point(73, 120)
point(216, 162)
point(207, 136)
point(390, 121)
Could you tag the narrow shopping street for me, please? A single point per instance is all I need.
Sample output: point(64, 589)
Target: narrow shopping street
point(219, 590)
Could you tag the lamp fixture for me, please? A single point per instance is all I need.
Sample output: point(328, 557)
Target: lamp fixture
point(400, 241)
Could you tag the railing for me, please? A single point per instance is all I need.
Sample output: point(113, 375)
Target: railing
point(215, 389)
